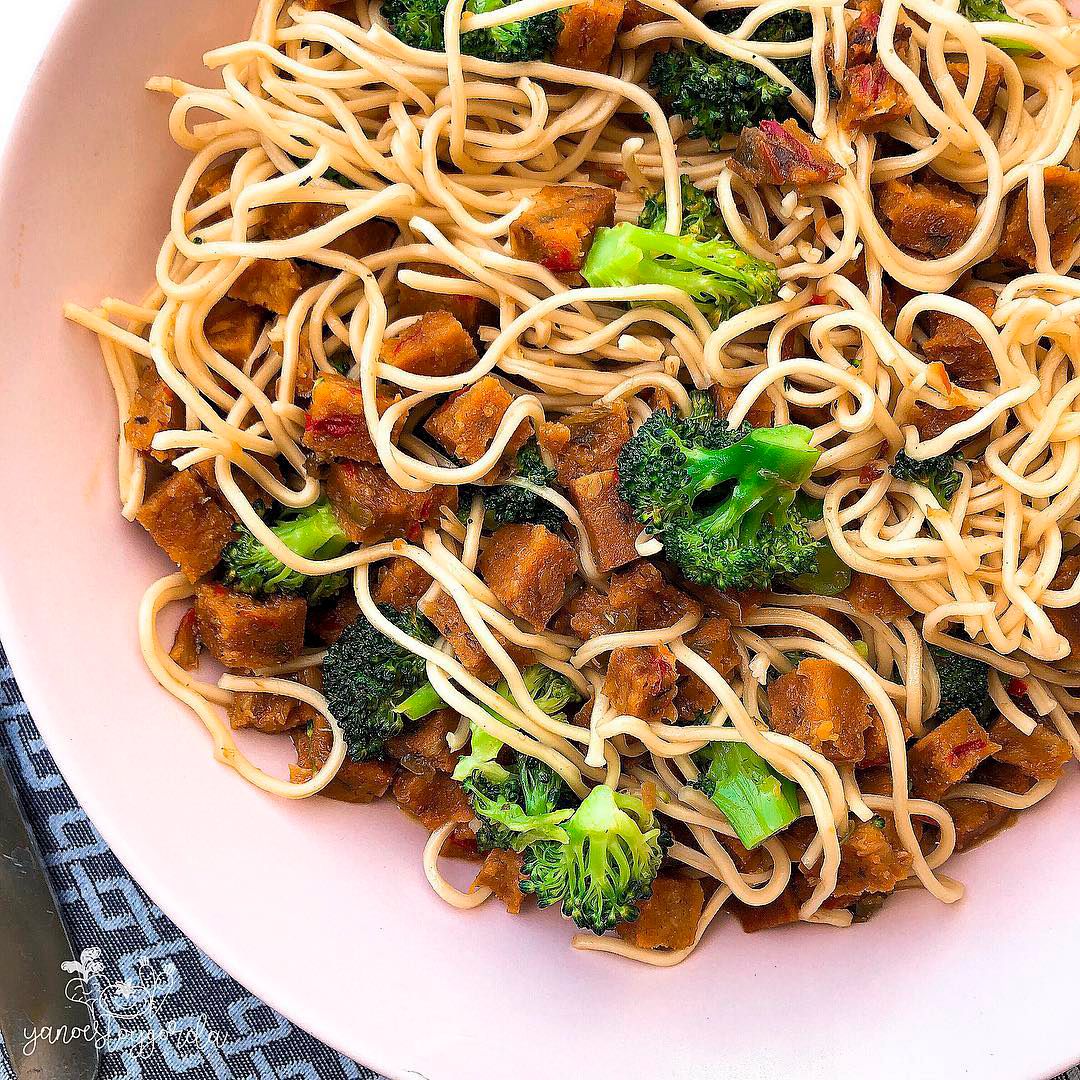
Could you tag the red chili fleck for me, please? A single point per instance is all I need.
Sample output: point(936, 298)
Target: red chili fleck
point(958, 753)
point(560, 260)
point(869, 474)
point(1017, 688)
point(337, 426)
point(817, 298)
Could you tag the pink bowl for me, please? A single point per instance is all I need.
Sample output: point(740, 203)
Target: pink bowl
point(320, 908)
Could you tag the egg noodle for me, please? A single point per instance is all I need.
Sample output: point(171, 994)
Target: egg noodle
point(451, 149)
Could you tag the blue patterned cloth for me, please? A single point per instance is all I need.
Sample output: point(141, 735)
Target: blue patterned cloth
point(195, 1020)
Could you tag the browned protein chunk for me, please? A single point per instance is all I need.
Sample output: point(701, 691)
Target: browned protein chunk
point(947, 754)
point(637, 14)
point(783, 155)
point(436, 344)
point(274, 284)
point(242, 632)
point(1041, 755)
point(529, 568)
point(283, 221)
point(713, 640)
point(1061, 196)
point(186, 645)
point(501, 873)
point(187, 523)
point(328, 621)
point(609, 523)
point(588, 36)
point(586, 442)
point(401, 584)
point(821, 705)
point(424, 747)
point(469, 310)
point(669, 918)
point(760, 414)
point(335, 425)
point(558, 229)
point(448, 620)
point(466, 423)
point(997, 774)
point(959, 71)
point(370, 507)
point(641, 682)
point(870, 98)
point(213, 182)
point(930, 422)
point(872, 860)
point(1066, 620)
point(431, 798)
point(154, 408)
point(927, 217)
point(954, 342)
point(870, 595)
point(354, 782)
point(232, 329)
point(273, 714)
point(877, 743)
point(976, 821)
point(783, 911)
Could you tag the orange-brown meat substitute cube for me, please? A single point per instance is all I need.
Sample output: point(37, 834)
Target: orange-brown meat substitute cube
point(588, 34)
point(449, 621)
point(609, 523)
point(928, 217)
point(1061, 198)
point(232, 328)
point(469, 310)
point(274, 284)
point(436, 344)
point(354, 782)
point(242, 632)
point(154, 408)
point(529, 568)
point(587, 441)
point(947, 754)
point(1041, 755)
point(466, 423)
point(336, 425)
point(641, 682)
point(669, 918)
point(558, 229)
point(401, 584)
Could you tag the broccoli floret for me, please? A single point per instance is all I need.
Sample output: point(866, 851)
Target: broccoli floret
point(717, 96)
point(508, 504)
point(830, 575)
point(791, 25)
point(755, 800)
point(994, 11)
point(716, 274)
point(606, 865)
point(373, 686)
point(937, 473)
point(419, 23)
point(700, 218)
point(965, 684)
point(313, 533)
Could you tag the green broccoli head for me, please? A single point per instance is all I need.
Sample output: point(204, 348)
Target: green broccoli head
point(965, 684)
point(717, 96)
point(994, 11)
point(606, 865)
point(313, 533)
point(700, 218)
point(794, 25)
point(937, 473)
point(718, 276)
point(508, 504)
point(419, 23)
point(373, 685)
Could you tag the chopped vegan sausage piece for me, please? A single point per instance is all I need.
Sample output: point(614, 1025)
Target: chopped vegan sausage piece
point(187, 523)
point(955, 343)
point(822, 705)
point(977, 821)
point(354, 782)
point(501, 873)
point(588, 36)
point(436, 344)
point(641, 682)
point(872, 860)
point(870, 595)
point(529, 568)
point(877, 743)
point(1061, 195)
point(930, 422)
point(432, 798)
point(669, 918)
point(466, 423)
point(469, 310)
point(336, 425)
point(273, 714)
point(783, 155)
point(760, 414)
point(1041, 755)
point(783, 911)
point(371, 507)
point(870, 98)
point(215, 181)
point(558, 229)
point(186, 645)
point(638, 14)
point(232, 328)
point(928, 217)
point(609, 523)
point(424, 746)
point(947, 754)
point(586, 442)
point(283, 221)
point(401, 584)
point(242, 632)
point(959, 70)
point(448, 620)
point(274, 284)
point(154, 408)
point(1066, 620)
point(712, 639)
point(328, 622)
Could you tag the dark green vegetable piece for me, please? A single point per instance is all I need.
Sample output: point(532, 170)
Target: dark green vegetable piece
point(755, 800)
point(785, 26)
point(700, 218)
point(830, 575)
point(994, 11)
point(717, 96)
point(965, 684)
point(373, 685)
point(937, 473)
point(508, 504)
point(605, 866)
point(313, 533)
point(419, 23)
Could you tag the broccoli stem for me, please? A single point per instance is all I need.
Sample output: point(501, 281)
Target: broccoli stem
point(317, 533)
point(756, 802)
point(420, 703)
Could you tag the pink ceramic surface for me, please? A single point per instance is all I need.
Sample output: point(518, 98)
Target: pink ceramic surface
point(383, 970)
